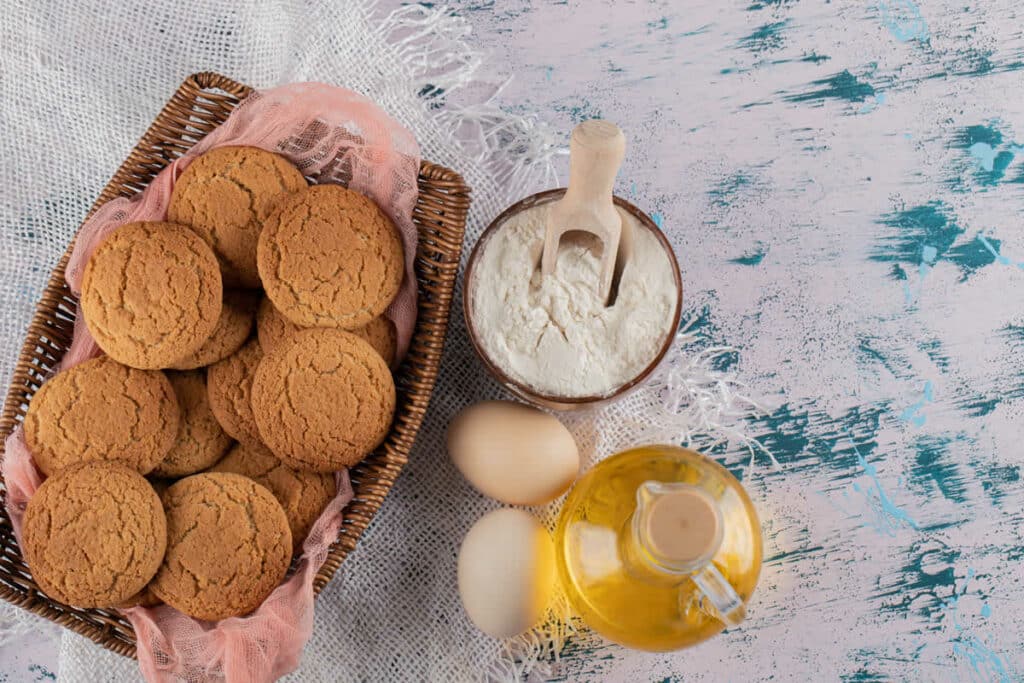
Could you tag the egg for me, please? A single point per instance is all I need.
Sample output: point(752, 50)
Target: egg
point(513, 453)
point(506, 572)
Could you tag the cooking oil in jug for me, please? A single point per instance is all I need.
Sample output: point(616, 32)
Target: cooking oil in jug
point(659, 548)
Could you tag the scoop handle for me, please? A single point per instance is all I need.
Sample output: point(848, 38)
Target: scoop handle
point(596, 150)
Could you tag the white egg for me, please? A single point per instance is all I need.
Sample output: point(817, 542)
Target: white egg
point(506, 572)
point(513, 453)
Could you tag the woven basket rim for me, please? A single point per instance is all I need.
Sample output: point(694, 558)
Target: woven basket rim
point(201, 102)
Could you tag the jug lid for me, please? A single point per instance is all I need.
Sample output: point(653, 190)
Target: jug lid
point(679, 524)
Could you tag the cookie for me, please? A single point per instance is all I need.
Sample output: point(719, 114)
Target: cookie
point(323, 400)
point(329, 257)
point(94, 534)
point(272, 327)
point(228, 546)
point(102, 410)
point(229, 387)
point(381, 335)
point(225, 196)
point(233, 328)
point(151, 294)
point(303, 495)
point(201, 440)
point(144, 598)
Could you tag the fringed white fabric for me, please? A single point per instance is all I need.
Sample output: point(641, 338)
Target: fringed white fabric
point(701, 408)
point(514, 152)
point(16, 623)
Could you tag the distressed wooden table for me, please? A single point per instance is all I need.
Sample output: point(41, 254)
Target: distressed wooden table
point(843, 182)
point(844, 185)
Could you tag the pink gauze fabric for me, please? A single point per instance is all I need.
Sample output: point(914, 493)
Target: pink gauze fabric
point(332, 135)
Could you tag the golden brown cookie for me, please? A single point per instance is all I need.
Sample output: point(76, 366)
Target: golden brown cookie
point(233, 328)
point(225, 196)
point(228, 546)
point(102, 410)
point(151, 294)
point(229, 387)
point(381, 335)
point(303, 495)
point(329, 257)
point(201, 440)
point(272, 327)
point(323, 400)
point(94, 534)
point(144, 598)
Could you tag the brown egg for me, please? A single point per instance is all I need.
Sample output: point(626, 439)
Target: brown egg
point(513, 453)
point(506, 572)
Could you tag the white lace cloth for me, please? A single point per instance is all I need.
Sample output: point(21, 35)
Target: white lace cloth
point(80, 84)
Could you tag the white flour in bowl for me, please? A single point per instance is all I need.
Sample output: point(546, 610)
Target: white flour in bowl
point(555, 334)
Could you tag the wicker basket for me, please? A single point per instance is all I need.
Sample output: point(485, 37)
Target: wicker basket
point(201, 103)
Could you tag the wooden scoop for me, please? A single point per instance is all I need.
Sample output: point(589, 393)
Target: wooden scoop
point(595, 154)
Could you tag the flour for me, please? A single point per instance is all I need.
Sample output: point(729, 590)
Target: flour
point(555, 334)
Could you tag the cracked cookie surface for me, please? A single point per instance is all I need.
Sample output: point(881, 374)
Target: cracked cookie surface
point(323, 400)
point(272, 328)
point(201, 440)
point(229, 388)
point(303, 495)
point(102, 410)
point(329, 257)
point(225, 196)
point(232, 329)
point(228, 546)
point(94, 534)
point(151, 294)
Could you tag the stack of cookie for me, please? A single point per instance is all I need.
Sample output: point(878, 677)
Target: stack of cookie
point(188, 463)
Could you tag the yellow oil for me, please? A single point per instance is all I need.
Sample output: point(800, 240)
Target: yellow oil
point(638, 606)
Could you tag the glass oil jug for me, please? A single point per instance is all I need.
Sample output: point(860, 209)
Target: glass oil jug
point(659, 548)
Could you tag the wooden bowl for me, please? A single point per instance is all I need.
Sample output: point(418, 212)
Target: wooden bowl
point(524, 391)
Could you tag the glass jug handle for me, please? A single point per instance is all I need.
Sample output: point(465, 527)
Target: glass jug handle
point(680, 528)
point(727, 605)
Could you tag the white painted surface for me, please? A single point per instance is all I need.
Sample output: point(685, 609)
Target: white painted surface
point(831, 142)
point(893, 529)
